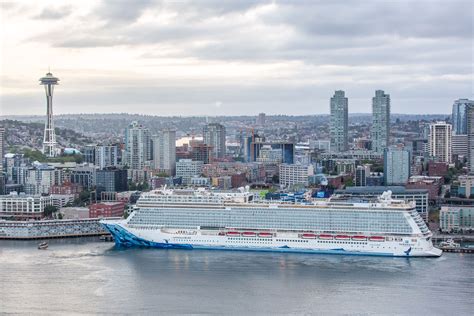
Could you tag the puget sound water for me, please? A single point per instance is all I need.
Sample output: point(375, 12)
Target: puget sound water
point(87, 276)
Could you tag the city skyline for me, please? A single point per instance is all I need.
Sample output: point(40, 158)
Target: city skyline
point(176, 58)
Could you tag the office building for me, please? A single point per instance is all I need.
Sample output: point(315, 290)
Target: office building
point(107, 209)
point(261, 119)
point(41, 178)
point(459, 145)
point(164, 152)
point(470, 138)
point(111, 180)
point(459, 116)
point(440, 141)
point(396, 166)
point(84, 175)
point(466, 186)
point(137, 146)
point(339, 121)
point(361, 174)
point(187, 169)
point(201, 152)
point(23, 207)
point(106, 156)
point(456, 218)
point(295, 174)
point(380, 131)
point(2, 147)
point(214, 136)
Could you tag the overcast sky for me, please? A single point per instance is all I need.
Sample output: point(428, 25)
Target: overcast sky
point(215, 57)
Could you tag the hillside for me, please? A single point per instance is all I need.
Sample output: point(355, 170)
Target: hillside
point(20, 135)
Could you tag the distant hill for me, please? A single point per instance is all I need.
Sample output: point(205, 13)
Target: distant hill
point(20, 134)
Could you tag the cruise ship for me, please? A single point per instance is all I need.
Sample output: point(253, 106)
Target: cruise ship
point(236, 220)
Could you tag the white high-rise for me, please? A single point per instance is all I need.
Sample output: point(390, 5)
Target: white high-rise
point(106, 156)
point(470, 137)
point(440, 142)
point(164, 152)
point(187, 169)
point(380, 131)
point(396, 166)
point(214, 135)
point(339, 121)
point(137, 146)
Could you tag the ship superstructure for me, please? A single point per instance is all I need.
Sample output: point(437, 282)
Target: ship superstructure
point(237, 220)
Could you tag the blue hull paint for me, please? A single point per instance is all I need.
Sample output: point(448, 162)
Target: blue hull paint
point(123, 238)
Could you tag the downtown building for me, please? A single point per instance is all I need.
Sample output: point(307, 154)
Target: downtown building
point(187, 169)
point(164, 152)
point(440, 142)
point(339, 121)
point(295, 174)
point(470, 138)
point(106, 156)
point(214, 135)
point(137, 146)
point(23, 207)
point(380, 132)
point(396, 166)
point(459, 116)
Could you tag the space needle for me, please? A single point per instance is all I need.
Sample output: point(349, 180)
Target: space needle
point(49, 140)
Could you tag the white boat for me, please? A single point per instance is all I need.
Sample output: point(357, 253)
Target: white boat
point(449, 244)
point(200, 219)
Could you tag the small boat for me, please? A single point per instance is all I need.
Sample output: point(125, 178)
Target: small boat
point(249, 234)
point(325, 236)
point(376, 238)
point(342, 237)
point(359, 238)
point(308, 236)
point(265, 235)
point(232, 234)
point(43, 245)
point(449, 244)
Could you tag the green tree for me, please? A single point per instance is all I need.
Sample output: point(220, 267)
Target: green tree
point(49, 210)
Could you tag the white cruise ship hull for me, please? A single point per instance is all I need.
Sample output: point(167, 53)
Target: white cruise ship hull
point(166, 238)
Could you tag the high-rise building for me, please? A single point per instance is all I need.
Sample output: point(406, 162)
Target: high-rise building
point(440, 142)
point(214, 135)
point(261, 119)
point(339, 122)
point(380, 132)
point(396, 166)
point(106, 156)
point(49, 140)
point(470, 138)
point(137, 146)
point(187, 169)
point(164, 152)
point(459, 145)
point(361, 174)
point(2, 147)
point(459, 116)
point(111, 180)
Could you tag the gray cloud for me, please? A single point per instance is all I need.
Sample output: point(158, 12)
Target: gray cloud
point(51, 13)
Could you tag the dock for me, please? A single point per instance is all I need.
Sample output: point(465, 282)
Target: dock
point(49, 229)
point(457, 250)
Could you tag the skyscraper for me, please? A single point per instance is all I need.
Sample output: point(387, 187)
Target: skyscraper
point(2, 147)
point(106, 156)
point(470, 137)
point(459, 116)
point(164, 151)
point(380, 132)
point(137, 146)
point(440, 142)
point(49, 140)
point(339, 121)
point(396, 166)
point(214, 135)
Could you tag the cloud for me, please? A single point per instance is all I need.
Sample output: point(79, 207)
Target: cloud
point(270, 55)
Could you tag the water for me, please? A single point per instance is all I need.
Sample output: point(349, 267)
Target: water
point(86, 276)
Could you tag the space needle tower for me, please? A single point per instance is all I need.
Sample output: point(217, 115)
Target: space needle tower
point(49, 140)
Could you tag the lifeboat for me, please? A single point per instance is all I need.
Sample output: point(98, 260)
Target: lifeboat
point(325, 236)
point(265, 235)
point(342, 237)
point(308, 236)
point(233, 234)
point(377, 238)
point(359, 238)
point(249, 234)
